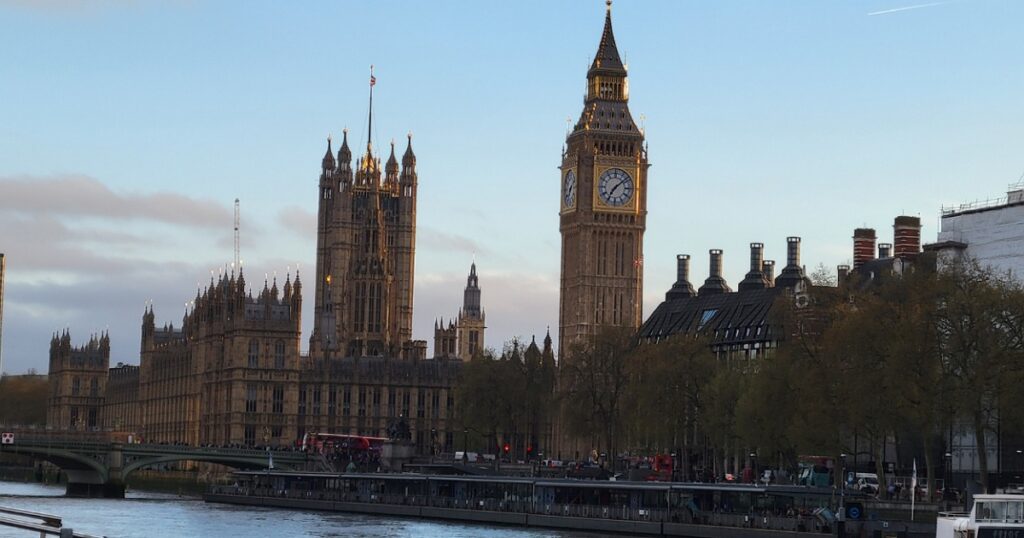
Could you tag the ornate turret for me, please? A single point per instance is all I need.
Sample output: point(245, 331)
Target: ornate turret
point(409, 158)
point(607, 61)
point(328, 162)
point(344, 153)
point(391, 168)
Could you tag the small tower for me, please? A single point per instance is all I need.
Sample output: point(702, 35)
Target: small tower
point(471, 318)
point(445, 339)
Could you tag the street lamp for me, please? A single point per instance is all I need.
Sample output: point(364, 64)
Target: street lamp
point(753, 466)
point(465, 437)
point(842, 491)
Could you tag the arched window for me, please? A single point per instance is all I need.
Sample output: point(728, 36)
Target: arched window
point(254, 353)
point(279, 354)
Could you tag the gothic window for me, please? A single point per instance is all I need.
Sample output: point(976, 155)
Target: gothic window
point(360, 305)
point(250, 435)
point(373, 316)
point(391, 402)
point(94, 387)
point(276, 432)
point(332, 401)
point(92, 418)
point(375, 411)
point(279, 354)
point(254, 353)
point(435, 403)
point(473, 339)
point(250, 398)
point(302, 400)
point(346, 402)
point(74, 418)
point(316, 400)
point(76, 386)
point(362, 401)
point(278, 400)
point(405, 403)
point(421, 404)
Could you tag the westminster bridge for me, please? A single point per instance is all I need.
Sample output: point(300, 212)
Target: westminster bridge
point(97, 467)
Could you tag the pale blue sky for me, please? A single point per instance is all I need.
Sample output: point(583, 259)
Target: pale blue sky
point(127, 129)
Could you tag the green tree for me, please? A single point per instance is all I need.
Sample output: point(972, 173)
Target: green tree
point(595, 382)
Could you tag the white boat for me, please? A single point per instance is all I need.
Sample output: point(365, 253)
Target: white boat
point(993, 516)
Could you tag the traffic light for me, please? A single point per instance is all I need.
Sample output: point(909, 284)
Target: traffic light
point(507, 448)
point(529, 450)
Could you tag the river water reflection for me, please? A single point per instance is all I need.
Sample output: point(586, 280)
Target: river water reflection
point(146, 515)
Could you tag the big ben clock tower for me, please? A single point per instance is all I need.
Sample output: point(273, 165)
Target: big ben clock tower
point(603, 205)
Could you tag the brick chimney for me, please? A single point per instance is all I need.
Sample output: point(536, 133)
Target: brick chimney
point(755, 280)
point(682, 288)
point(792, 273)
point(884, 250)
point(768, 268)
point(863, 246)
point(906, 233)
point(715, 283)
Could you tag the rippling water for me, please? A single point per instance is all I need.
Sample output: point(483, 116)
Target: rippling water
point(146, 515)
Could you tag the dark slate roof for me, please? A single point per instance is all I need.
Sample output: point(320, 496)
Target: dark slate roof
point(607, 57)
point(727, 318)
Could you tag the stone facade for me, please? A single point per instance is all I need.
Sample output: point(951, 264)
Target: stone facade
point(78, 380)
point(232, 373)
point(603, 206)
point(465, 338)
point(366, 243)
point(121, 399)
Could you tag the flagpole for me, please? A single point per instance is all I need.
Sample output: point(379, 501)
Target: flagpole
point(913, 490)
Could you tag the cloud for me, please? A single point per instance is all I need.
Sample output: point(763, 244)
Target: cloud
point(516, 304)
point(83, 196)
point(435, 239)
point(298, 221)
point(907, 8)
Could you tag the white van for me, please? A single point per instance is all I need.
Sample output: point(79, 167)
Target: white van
point(866, 482)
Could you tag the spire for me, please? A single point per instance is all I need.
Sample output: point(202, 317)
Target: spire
point(409, 158)
point(369, 123)
point(344, 154)
point(607, 57)
point(328, 162)
point(391, 168)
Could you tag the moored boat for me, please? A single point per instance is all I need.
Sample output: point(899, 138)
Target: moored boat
point(992, 516)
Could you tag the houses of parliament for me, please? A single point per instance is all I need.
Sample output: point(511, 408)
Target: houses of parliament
point(231, 372)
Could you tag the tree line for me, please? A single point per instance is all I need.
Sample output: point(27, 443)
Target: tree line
point(906, 358)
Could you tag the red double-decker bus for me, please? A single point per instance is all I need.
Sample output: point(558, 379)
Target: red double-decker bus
point(335, 443)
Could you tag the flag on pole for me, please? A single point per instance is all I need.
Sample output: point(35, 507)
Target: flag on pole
point(373, 80)
point(913, 489)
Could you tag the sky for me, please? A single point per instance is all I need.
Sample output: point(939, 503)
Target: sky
point(128, 128)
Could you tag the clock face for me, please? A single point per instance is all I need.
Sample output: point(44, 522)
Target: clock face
point(615, 187)
point(569, 189)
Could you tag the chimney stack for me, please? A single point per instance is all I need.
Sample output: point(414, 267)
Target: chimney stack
point(682, 288)
point(715, 283)
point(755, 279)
point(884, 250)
point(863, 246)
point(907, 236)
point(792, 273)
point(768, 267)
point(844, 272)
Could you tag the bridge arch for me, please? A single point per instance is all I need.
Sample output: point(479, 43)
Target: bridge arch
point(226, 460)
point(66, 460)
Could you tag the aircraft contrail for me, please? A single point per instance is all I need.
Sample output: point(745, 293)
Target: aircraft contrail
point(907, 8)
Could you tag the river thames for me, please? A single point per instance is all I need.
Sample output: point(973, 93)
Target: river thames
point(144, 514)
